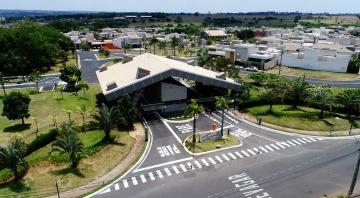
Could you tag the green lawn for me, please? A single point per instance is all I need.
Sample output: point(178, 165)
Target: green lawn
point(42, 106)
point(227, 141)
point(303, 118)
point(324, 75)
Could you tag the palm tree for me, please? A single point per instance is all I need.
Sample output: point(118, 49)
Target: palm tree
point(13, 155)
point(2, 83)
point(153, 42)
point(322, 93)
point(60, 89)
point(193, 109)
point(84, 85)
point(106, 118)
point(69, 143)
point(68, 112)
point(350, 100)
point(82, 111)
point(162, 45)
point(173, 43)
point(35, 77)
point(221, 103)
point(299, 90)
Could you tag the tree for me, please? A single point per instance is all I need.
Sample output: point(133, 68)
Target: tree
point(35, 77)
point(222, 64)
point(271, 96)
point(71, 75)
point(13, 155)
point(83, 85)
point(153, 42)
point(322, 93)
point(299, 91)
point(245, 34)
point(106, 118)
point(16, 106)
point(70, 144)
point(354, 65)
point(2, 82)
point(103, 52)
point(178, 19)
point(221, 103)
point(193, 109)
point(173, 43)
point(82, 111)
point(127, 111)
point(68, 113)
point(60, 88)
point(162, 45)
point(350, 100)
point(260, 78)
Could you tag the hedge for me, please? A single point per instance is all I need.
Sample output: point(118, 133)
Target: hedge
point(42, 140)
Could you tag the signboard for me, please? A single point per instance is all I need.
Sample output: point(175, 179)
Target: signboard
point(210, 136)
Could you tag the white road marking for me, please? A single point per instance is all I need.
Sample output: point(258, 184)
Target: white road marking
point(232, 156)
point(143, 179)
point(225, 157)
point(238, 154)
point(245, 153)
point(296, 142)
point(268, 147)
point(205, 162)
point(134, 181)
point(280, 145)
point(307, 140)
point(167, 171)
point(219, 159)
point(291, 143)
point(312, 139)
point(257, 151)
point(159, 174)
point(190, 165)
point(151, 175)
point(182, 166)
point(302, 141)
point(283, 143)
point(197, 164)
point(163, 164)
point(263, 149)
point(126, 184)
point(212, 160)
point(176, 170)
point(251, 152)
point(277, 148)
point(116, 186)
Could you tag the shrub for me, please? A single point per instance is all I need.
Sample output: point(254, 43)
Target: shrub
point(60, 158)
point(42, 140)
point(6, 174)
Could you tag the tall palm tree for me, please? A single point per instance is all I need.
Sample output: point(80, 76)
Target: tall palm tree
point(322, 93)
point(221, 103)
point(173, 43)
point(35, 77)
point(162, 45)
point(83, 85)
point(193, 109)
point(13, 155)
point(350, 100)
point(69, 143)
point(2, 83)
point(82, 111)
point(153, 42)
point(106, 119)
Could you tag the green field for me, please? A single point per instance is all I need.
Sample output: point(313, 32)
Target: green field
point(42, 106)
point(303, 118)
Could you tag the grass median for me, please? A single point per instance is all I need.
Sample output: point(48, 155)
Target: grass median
point(200, 147)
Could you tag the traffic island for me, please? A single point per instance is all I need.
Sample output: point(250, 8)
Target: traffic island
point(211, 145)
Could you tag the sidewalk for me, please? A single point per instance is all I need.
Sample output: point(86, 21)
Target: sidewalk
point(252, 119)
point(136, 150)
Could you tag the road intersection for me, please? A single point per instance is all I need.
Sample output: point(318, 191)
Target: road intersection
point(267, 164)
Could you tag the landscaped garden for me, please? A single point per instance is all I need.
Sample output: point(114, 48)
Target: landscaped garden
point(226, 141)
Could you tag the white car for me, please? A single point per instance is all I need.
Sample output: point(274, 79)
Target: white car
point(252, 69)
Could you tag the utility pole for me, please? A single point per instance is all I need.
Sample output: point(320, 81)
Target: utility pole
point(353, 182)
point(281, 56)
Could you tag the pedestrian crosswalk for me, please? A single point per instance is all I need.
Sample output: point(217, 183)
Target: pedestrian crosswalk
point(186, 128)
point(207, 161)
point(240, 133)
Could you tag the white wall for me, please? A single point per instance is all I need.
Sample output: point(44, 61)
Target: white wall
point(313, 61)
point(171, 92)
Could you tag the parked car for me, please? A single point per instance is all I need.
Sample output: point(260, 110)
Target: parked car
point(252, 69)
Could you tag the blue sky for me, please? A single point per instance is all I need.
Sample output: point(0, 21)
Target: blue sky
point(332, 6)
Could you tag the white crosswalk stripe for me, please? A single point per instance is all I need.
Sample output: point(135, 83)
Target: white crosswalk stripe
point(197, 164)
point(205, 162)
point(263, 149)
point(245, 153)
point(212, 160)
point(312, 139)
point(251, 152)
point(280, 145)
point(296, 142)
point(225, 157)
point(190, 165)
point(307, 140)
point(176, 170)
point(302, 141)
point(182, 166)
point(143, 179)
point(238, 154)
point(232, 156)
point(283, 143)
point(277, 148)
point(116, 186)
point(219, 159)
point(126, 184)
point(167, 171)
point(268, 147)
point(134, 181)
point(257, 151)
point(291, 143)
point(151, 175)
point(159, 174)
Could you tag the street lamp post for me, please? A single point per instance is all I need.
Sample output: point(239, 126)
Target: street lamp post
point(194, 130)
point(281, 56)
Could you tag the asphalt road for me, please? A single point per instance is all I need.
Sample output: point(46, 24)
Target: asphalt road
point(267, 164)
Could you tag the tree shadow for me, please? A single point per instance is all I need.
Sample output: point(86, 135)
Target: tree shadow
point(17, 128)
point(68, 170)
point(17, 186)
